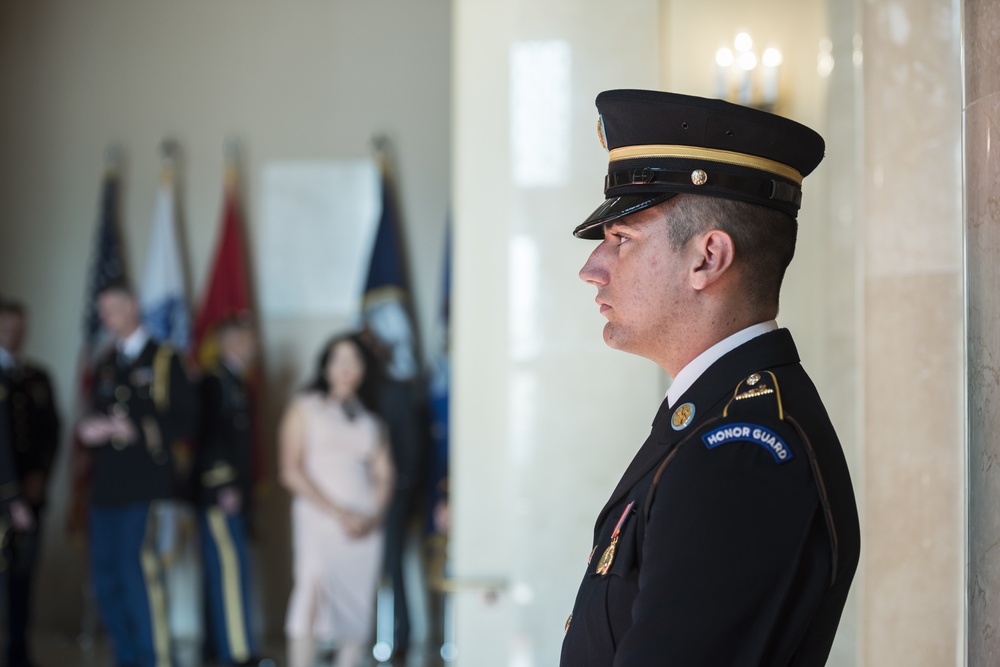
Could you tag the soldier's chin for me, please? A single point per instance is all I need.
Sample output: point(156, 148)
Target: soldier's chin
point(615, 338)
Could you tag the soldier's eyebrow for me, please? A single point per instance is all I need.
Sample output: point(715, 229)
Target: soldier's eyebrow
point(614, 225)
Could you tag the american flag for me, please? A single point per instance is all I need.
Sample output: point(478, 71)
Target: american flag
point(107, 264)
point(107, 268)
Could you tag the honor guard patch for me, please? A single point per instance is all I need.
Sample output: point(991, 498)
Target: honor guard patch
point(749, 433)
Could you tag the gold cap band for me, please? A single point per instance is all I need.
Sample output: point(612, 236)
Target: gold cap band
point(711, 154)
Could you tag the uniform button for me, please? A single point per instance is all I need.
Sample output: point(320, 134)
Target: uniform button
point(568, 621)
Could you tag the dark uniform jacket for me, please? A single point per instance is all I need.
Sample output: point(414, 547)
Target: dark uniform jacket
point(742, 537)
point(225, 438)
point(32, 431)
point(154, 392)
point(9, 487)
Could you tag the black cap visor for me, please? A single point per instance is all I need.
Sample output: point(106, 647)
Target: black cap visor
point(615, 208)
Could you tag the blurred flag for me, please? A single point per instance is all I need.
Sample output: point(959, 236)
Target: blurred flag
point(107, 268)
point(227, 295)
point(163, 295)
point(438, 398)
point(387, 317)
point(385, 305)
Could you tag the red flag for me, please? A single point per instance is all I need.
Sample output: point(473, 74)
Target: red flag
point(227, 295)
point(228, 291)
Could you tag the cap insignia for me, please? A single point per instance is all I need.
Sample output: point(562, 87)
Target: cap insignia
point(683, 416)
point(600, 132)
point(699, 177)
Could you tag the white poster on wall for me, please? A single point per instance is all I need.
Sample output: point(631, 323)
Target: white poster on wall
point(318, 221)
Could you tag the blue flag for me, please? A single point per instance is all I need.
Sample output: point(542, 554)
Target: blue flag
point(385, 305)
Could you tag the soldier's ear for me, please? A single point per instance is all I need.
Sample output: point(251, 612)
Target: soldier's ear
point(713, 254)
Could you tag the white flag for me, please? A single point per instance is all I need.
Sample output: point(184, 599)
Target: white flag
point(163, 294)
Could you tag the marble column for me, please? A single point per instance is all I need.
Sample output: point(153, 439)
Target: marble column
point(913, 458)
point(982, 206)
point(545, 417)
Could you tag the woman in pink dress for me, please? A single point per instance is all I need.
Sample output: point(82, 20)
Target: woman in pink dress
point(335, 461)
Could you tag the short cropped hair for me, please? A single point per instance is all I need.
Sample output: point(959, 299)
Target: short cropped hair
point(764, 238)
point(116, 287)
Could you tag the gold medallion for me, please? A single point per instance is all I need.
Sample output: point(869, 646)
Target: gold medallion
point(608, 557)
point(753, 379)
point(682, 416)
point(699, 177)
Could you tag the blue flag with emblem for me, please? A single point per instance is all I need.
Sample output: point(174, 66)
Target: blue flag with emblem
point(385, 305)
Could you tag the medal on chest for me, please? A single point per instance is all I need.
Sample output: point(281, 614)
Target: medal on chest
point(608, 557)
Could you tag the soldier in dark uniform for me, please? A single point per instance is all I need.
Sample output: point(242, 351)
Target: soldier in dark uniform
point(32, 436)
point(732, 537)
point(143, 404)
point(223, 477)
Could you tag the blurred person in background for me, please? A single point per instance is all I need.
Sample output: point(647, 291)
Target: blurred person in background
point(142, 404)
point(30, 436)
point(336, 463)
point(223, 479)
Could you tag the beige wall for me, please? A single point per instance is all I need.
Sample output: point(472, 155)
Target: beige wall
point(290, 80)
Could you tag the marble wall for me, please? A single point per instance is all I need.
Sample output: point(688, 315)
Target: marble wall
point(913, 484)
point(982, 207)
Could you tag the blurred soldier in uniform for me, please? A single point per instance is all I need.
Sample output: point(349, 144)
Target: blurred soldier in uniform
point(31, 436)
point(732, 537)
point(223, 478)
point(143, 403)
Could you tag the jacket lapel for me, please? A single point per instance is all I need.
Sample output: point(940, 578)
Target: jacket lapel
point(767, 351)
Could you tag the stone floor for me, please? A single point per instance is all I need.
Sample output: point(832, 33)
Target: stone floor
point(64, 651)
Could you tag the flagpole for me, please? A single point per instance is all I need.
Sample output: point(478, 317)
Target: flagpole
point(112, 158)
point(231, 151)
point(169, 151)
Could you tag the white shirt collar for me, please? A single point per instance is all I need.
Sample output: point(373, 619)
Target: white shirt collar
point(690, 373)
point(133, 345)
